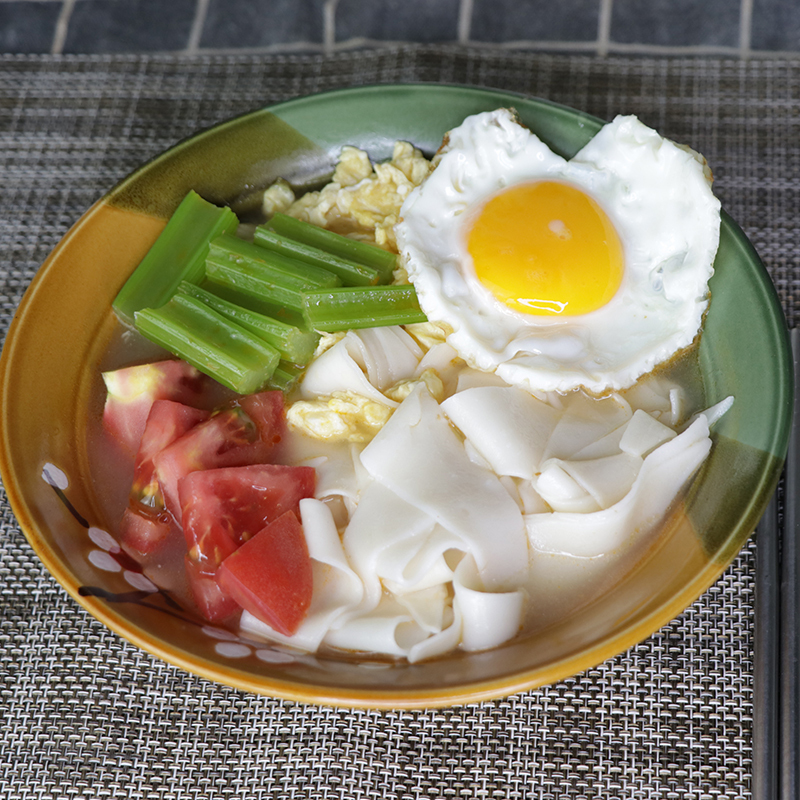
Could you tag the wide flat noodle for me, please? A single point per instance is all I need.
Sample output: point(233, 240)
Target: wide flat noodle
point(382, 521)
point(430, 608)
point(388, 629)
point(585, 420)
point(418, 564)
point(365, 362)
point(420, 458)
point(435, 545)
point(445, 361)
point(643, 433)
point(337, 371)
point(561, 491)
point(425, 623)
point(339, 471)
point(391, 629)
point(660, 478)
point(606, 479)
point(487, 618)
point(508, 426)
point(387, 355)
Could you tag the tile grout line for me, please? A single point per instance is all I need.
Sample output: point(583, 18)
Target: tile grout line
point(196, 32)
point(464, 21)
point(745, 27)
point(673, 50)
point(604, 27)
point(289, 48)
point(614, 48)
point(62, 25)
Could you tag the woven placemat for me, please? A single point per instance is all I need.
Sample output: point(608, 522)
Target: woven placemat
point(84, 714)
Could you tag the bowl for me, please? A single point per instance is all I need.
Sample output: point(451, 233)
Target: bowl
point(49, 372)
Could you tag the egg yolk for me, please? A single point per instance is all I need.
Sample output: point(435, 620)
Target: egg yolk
point(546, 248)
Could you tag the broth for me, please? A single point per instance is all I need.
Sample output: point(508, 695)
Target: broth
point(558, 585)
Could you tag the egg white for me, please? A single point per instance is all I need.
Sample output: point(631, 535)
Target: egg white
point(656, 193)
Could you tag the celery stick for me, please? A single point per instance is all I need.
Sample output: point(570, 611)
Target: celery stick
point(348, 307)
point(351, 273)
point(263, 275)
point(360, 252)
point(294, 345)
point(285, 376)
point(178, 254)
point(207, 340)
point(288, 315)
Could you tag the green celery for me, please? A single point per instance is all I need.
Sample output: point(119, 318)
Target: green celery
point(351, 272)
point(348, 307)
point(178, 254)
point(263, 275)
point(196, 333)
point(285, 376)
point(294, 345)
point(361, 252)
point(281, 313)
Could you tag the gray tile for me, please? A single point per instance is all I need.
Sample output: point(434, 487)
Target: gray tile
point(675, 22)
point(398, 20)
point(563, 21)
point(259, 23)
point(129, 26)
point(776, 25)
point(28, 27)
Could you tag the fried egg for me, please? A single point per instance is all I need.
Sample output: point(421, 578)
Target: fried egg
point(555, 273)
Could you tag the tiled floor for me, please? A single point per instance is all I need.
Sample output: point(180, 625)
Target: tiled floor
point(713, 27)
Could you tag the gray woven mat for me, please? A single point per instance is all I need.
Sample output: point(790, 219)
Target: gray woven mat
point(85, 715)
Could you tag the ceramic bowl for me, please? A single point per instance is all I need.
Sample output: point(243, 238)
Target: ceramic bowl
point(51, 398)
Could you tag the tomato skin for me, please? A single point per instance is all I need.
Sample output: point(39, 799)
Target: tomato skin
point(266, 409)
point(212, 601)
point(131, 392)
point(223, 508)
point(166, 423)
point(145, 524)
point(270, 575)
point(231, 437)
point(227, 438)
point(143, 533)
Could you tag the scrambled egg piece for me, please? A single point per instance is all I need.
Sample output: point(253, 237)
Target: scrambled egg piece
point(328, 340)
point(429, 334)
point(354, 166)
point(278, 198)
point(350, 417)
point(363, 201)
point(342, 417)
point(403, 389)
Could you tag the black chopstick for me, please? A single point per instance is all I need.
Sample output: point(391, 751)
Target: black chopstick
point(776, 696)
point(766, 678)
point(789, 731)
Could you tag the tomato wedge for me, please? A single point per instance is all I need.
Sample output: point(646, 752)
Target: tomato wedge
point(166, 423)
point(223, 508)
point(266, 409)
point(131, 392)
point(142, 532)
point(270, 575)
point(212, 601)
point(145, 524)
point(231, 437)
